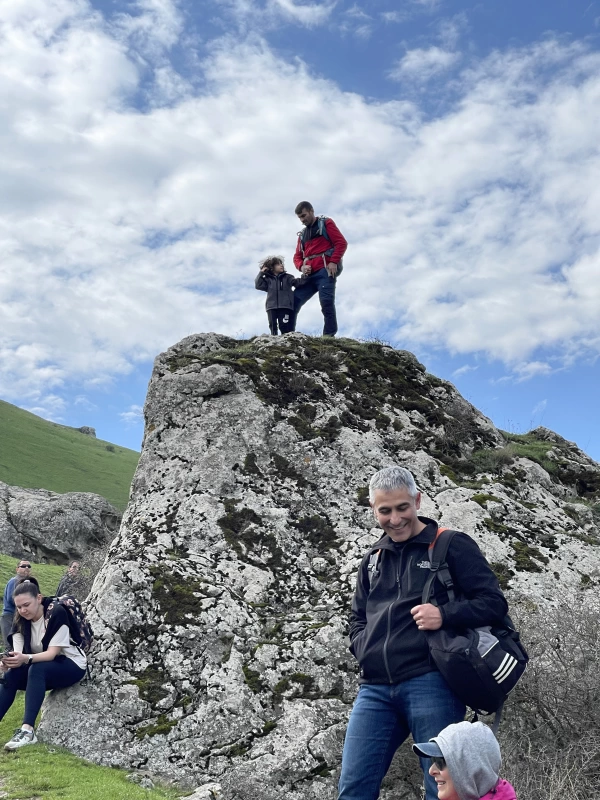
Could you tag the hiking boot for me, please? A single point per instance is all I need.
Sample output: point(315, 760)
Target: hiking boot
point(20, 739)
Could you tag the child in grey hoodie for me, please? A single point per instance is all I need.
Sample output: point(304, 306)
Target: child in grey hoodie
point(279, 286)
point(466, 761)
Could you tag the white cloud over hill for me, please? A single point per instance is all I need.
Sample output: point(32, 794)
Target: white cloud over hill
point(136, 207)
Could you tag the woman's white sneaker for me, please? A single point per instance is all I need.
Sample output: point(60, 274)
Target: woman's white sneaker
point(20, 739)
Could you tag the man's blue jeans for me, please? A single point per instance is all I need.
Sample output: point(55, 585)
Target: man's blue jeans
point(381, 720)
point(320, 282)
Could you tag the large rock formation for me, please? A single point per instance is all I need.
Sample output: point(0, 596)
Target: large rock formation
point(221, 610)
point(54, 527)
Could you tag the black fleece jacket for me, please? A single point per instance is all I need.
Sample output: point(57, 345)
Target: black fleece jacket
point(384, 637)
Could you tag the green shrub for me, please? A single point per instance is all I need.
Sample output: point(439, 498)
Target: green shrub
point(482, 499)
point(492, 460)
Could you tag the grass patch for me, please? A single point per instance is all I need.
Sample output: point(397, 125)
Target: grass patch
point(161, 725)
point(525, 445)
point(48, 575)
point(482, 499)
point(524, 554)
point(38, 454)
point(252, 679)
point(362, 496)
point(449, 473)
point(503, 572)
point(51, 773)
point(496, 527)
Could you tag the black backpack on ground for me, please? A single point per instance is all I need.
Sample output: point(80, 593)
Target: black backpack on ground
point(481, 665)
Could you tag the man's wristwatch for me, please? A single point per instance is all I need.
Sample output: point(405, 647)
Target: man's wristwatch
point(30, 661)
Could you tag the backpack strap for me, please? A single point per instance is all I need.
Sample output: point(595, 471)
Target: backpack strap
point(322, 230)
point(373, 571)
point(437, 552)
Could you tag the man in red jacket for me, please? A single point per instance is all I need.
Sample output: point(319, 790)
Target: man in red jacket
point(319, 255)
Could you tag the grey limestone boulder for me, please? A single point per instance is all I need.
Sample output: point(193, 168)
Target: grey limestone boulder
point(221, 658)
point(54, 527)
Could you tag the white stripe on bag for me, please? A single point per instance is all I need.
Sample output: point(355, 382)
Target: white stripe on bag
point(502, 665)
point(507, 671)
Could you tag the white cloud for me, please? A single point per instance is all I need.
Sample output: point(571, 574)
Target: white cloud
point(84, 402)
point(308, 14)
point(532, 369)
point(357, 21)
point(156, 25)
point(463, 370)
point(262, 15)
point(451, 29)
point(539, 408)
point(429, 5)
point(422, 64)
point(49, 406)
point(123, 230)
point(392, 16)
point(134, 416)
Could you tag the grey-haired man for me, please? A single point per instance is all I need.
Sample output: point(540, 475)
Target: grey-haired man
point(401, 690)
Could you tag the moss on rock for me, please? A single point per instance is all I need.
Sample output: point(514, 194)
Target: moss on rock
point(317, 530)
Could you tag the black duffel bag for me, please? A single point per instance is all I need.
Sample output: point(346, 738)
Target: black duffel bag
point(481, 665)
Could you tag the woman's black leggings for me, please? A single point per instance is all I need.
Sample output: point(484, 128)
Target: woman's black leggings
point(36, 680)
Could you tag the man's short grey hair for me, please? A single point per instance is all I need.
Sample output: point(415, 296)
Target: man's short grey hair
point(389, 479)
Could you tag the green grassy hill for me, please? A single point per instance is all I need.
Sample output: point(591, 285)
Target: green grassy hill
point(38, 454)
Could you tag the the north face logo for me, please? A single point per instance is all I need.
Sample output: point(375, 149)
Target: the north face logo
point(423, 564)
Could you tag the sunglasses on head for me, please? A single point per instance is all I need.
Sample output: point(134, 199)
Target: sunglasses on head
point(439, 762)
point(24, 566)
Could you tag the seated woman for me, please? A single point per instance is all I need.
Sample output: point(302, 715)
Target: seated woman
point(465, 763)
point(41, 657)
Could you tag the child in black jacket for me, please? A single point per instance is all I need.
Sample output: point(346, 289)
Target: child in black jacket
point(279, 286)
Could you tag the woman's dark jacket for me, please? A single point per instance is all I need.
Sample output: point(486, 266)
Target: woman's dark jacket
point(384, 637)
point(58, 618)
point(278, 288)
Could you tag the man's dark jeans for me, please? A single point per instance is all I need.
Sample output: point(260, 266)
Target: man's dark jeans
point(381, 720)
point(320, 282)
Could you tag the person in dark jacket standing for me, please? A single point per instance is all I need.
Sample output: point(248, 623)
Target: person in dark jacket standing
point(279, 286)
point(68, 582)
point(318, 255)
point(23, 570)
point(401, 690)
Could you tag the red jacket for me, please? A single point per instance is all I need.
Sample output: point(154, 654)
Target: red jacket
point(315, 248)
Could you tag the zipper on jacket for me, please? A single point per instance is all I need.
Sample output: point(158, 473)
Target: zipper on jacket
point(409, 575)
point(389, 619)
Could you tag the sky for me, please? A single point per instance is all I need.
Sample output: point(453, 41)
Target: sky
point(152, 152)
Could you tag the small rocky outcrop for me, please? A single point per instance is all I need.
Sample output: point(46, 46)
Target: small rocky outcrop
point(54, 527)
point(221, 658)
point(87, 431)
